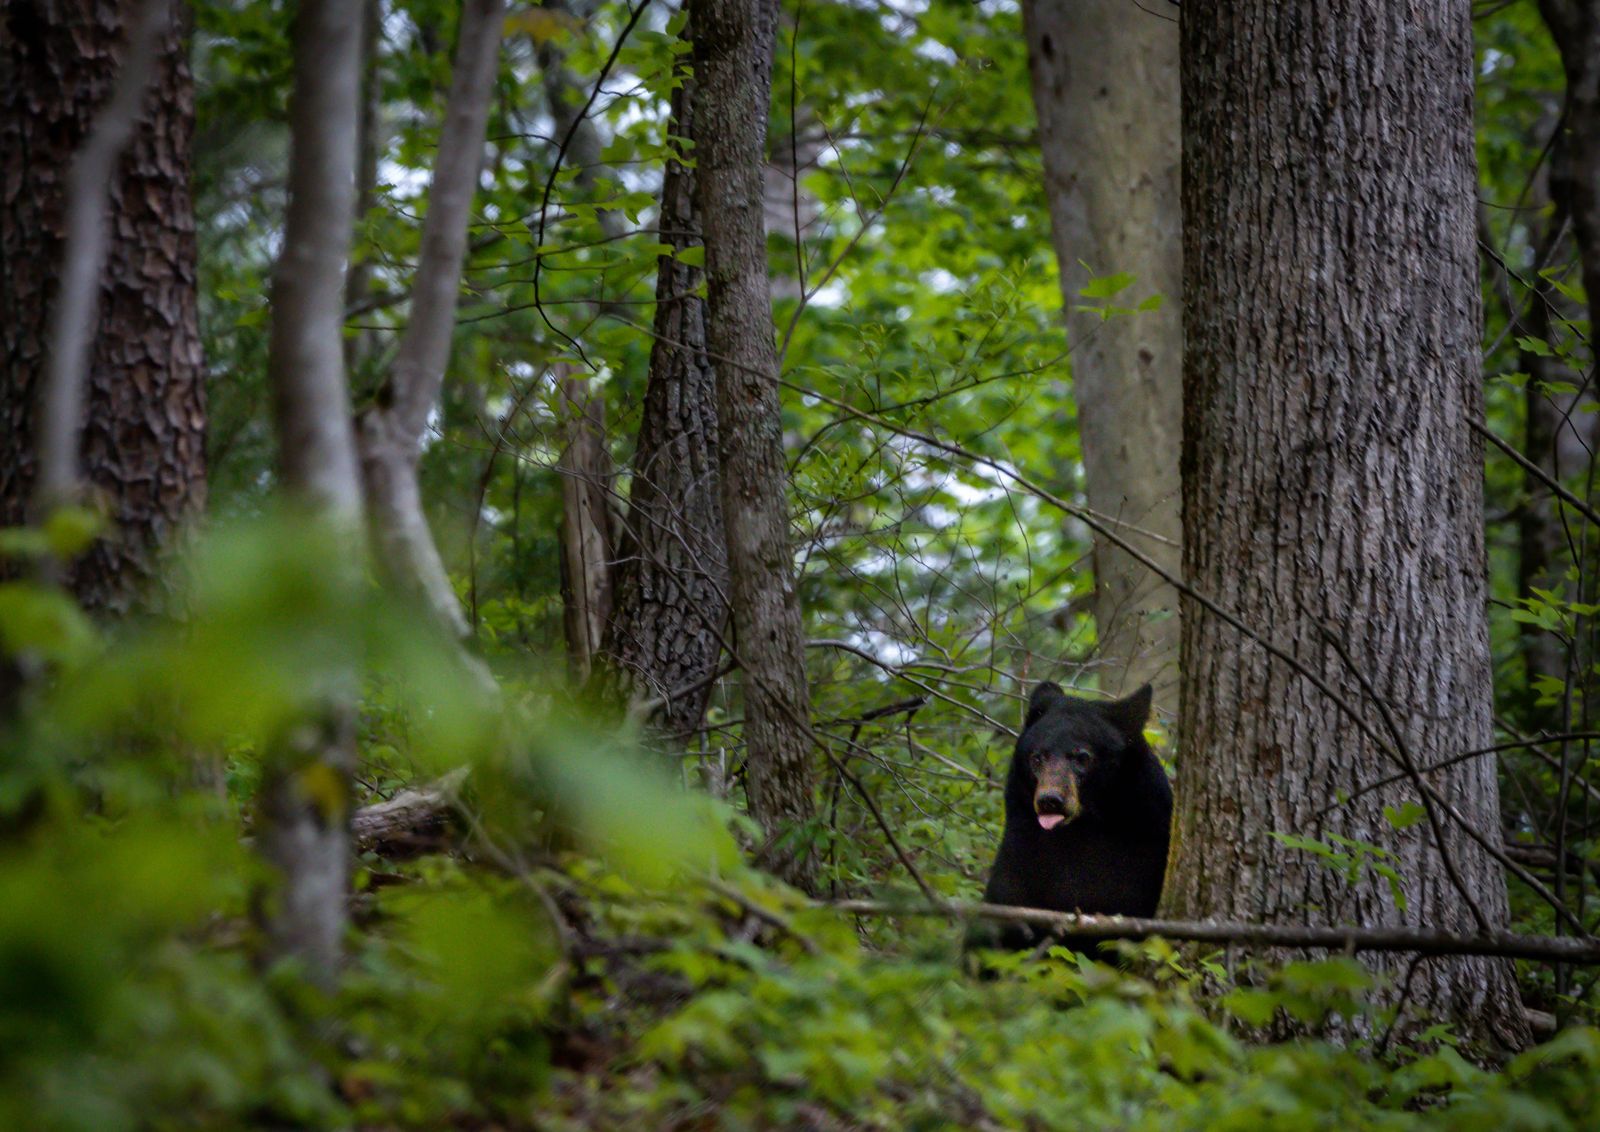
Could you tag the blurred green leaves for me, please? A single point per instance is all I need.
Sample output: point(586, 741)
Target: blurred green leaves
point(125, 884)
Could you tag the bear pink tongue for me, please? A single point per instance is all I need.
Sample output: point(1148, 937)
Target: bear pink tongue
point(1050, 821)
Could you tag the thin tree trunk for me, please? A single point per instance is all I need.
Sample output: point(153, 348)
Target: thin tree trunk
point(671, 599)
point(586, 554)
point(1105, 90)
point(1332, 483)
point(391, 431)
point(359, 277)
point(1552, 443)
point(131, 417)
point(317, 454)
point(585, 468)
point(1575, 27)
point(304, 827)
point(733, 44)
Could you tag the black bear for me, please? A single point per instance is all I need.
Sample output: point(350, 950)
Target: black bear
point(1088, 814)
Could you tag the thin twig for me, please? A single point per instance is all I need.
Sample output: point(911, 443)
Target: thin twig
point(1409, 765)
point(1531, 745)
point(765, 915)
point(555, 168)
point(1536, 471)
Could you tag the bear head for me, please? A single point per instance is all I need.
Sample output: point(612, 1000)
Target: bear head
point(1069, 748)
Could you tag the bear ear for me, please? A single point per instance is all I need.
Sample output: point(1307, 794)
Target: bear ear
point(1045, 696)
point(1130, 715)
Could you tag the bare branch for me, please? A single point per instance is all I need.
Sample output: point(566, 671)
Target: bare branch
point(1536, 471)
point(1553, 949)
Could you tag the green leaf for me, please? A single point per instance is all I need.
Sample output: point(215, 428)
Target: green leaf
point(70, 530)
point(1105, 286)
point(42, 620)
point(22, 542)
point(1251, 1006)
point(1404, 816)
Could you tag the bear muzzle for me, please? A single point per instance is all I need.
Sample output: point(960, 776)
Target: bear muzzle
point(1055, 799)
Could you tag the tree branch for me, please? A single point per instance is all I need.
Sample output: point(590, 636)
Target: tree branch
point(391, 432)
point(1509, 945)
point(1536, 471)
point(424, 351)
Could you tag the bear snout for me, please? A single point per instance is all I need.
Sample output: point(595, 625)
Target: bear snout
point(1056, 802)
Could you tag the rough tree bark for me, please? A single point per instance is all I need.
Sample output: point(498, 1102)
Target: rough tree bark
point(142, 418)
point(733, 44)
point(1105, 91)
point(390, 432)
point(671, 600)
point(304, 826)
point(1331, 480)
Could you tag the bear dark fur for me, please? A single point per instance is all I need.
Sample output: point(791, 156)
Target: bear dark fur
point(1088, 815)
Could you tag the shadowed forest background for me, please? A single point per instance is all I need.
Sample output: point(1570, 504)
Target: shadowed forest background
point(526, 533)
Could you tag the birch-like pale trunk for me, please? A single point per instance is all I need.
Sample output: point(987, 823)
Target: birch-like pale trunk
point(1105, 91)
point(584, 469)
point(391, 431)
point(304, 803)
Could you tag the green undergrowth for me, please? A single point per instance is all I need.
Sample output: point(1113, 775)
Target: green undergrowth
point(581, 948)
point(783, 1018)
point(575, 997)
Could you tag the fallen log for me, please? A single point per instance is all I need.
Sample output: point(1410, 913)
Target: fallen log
point(410, 817)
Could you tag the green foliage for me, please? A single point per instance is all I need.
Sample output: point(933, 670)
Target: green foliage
point(126, 998)
point(1353, 859)
point(645, 979)
point(651, 981)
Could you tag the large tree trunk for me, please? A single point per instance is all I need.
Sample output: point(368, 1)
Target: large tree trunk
point(733, 44)
point(304, 827)
point(1332, 482)
point(1105, 90)
point(142, 418)
point(671, 595)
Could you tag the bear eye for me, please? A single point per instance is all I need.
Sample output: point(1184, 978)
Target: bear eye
point(1036, 761)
